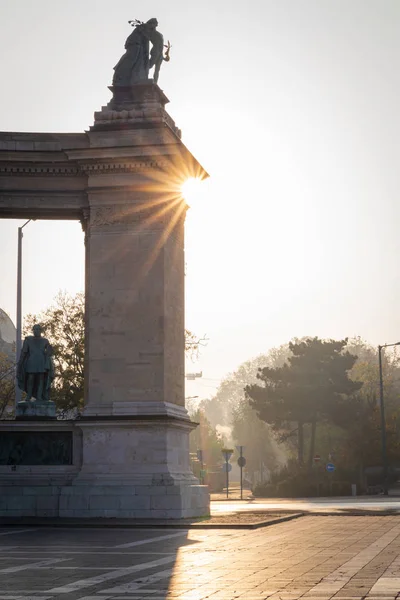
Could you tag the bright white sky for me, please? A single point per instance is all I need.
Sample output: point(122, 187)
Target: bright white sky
point(291, 106)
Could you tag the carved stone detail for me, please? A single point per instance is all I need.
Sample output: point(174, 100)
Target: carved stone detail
point(150, 114)
point(103, 216)
point(36, 448)
point(40, 170)
point(84, 220)
point(134, 166)
point(123, 167)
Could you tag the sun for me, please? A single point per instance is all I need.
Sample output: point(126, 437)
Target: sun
point(192, 191)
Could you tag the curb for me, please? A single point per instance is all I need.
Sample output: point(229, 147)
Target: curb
point(137, 524)
point(357, 513)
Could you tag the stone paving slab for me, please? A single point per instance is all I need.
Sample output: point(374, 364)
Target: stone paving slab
point(314, 558)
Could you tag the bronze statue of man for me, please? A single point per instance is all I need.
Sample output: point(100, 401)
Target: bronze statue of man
point(35, 367)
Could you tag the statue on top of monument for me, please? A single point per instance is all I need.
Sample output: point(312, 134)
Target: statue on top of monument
point(35, 371)
point(135, 64)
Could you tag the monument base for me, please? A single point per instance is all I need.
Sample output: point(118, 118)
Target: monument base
point(125, 467)
point(157, 500)
point(35, 410)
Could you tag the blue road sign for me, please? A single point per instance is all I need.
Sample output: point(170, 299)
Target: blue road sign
point(330, 467)
point(227, 467)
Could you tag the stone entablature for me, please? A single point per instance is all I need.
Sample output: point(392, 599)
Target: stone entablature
point(51, 175)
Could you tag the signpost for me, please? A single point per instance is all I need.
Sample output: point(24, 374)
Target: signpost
point(330, 467)
point(227, 467)
point(200, 459)
point(227, 453)
point(241, 462)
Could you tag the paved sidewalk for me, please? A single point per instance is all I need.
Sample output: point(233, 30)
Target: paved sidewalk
point(315, 557)
point(346, 505)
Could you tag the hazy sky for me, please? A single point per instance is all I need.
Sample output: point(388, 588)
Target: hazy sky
point(291, 106)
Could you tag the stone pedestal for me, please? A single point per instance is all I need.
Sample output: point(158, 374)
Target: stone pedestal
point(136, 468)
point(35, 410)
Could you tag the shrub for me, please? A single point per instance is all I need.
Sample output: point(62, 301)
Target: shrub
point(265, 490)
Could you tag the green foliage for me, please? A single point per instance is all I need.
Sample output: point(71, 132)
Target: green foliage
point(206, 438)
point(308, 388)
point(230, 408)
point(7, 383)
point(259, 441)
point(63, 325)
point(230, 394)
point(295, 481)
point(265, 490)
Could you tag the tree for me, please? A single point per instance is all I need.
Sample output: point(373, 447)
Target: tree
point(360, 420)
point(230, 393)
point(366, 369)
point(229, 408)
point(193, 344)
point(206, 438)
point(261, 447)
point(64, 326)
point(7, 382)
point(306, 389)
point(7, 370)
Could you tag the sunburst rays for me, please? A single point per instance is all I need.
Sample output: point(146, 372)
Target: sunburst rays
point(159, 205)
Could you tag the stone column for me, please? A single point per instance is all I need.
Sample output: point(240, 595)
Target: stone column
point(135, 305)
point(135, 425)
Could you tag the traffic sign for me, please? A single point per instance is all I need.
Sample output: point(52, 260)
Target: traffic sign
point(317, 458)
point(241, 461)
point(330, 467)
point(227, 467)
point(240, 447)
point(227, 453)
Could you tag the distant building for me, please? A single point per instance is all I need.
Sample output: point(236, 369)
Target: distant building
point(8, 335)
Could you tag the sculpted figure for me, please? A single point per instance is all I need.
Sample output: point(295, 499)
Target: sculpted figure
point(35, 367)
point(135, 64)
point(156, 53)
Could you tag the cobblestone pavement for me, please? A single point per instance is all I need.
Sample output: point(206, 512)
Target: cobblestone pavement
point(314, 557)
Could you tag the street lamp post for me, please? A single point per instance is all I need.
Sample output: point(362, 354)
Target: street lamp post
point(18, 343)
point(383, 421)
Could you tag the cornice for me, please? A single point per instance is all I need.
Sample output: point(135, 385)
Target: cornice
point(84, 168)
point(135, 166)
point(38, 170)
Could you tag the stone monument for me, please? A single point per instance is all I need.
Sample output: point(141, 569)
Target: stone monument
point(128, 454)
point(135, 64)
point(35, 374)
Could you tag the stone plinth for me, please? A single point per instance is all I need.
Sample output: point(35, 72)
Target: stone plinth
point(35, 410)
point(136, 469)
point(99, 468)
point(141, 105)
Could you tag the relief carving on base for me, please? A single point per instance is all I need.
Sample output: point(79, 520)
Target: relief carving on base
point(103, 216)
